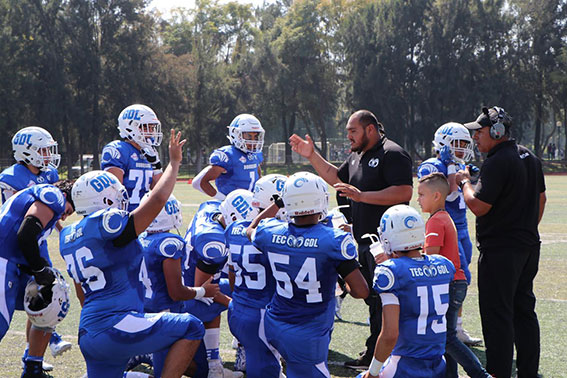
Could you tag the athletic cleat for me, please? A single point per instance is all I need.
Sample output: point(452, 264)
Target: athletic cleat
point(140, 359)
point(361, 363)
point(216, 370)
point(466, 339)
point(240, 361)
point(46, 366)
point(338, 304)
point(35, 370)
point(57, 345)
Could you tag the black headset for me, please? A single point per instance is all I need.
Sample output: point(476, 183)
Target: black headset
point(497, 130)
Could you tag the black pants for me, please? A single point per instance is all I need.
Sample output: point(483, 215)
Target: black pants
point(373, 301)
point(507, 309)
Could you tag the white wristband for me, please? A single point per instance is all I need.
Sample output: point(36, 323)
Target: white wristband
point(157, 171)
point(451, 169)
point(199, 292)
point(219, 196)
point(375, 366)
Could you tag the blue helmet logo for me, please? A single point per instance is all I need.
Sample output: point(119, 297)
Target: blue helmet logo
point(299, 182)
point(410, 221)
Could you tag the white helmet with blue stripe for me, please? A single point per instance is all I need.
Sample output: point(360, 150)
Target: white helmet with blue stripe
point(401, 229)
point(97, 190)
point(246, 133)
point(168, 218)
point(305, 194)
point(238, 206)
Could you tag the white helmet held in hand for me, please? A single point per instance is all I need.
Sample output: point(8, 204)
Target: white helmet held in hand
point(457, 137)
point(245, 132)
point(140, 124)
point(168, 218)
point(47, 305)
point(35, 146)
point(238, 206)
point(305, 194)
point(401, 229)
point(97, 190)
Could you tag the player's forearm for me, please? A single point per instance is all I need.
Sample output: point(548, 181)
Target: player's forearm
point(155, 179)
point(478, 207)
point(222, 299)
point(384, 346)
point(326, 170)
point(392, 195)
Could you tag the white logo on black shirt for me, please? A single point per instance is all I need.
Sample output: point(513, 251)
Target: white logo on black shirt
point(373, 163)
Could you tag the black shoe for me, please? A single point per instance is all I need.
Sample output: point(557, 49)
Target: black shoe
point(361, 363)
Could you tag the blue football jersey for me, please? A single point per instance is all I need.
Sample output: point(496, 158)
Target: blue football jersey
point(304, 263)
point(13, 212)
point(420, 286)
point(18, 177)
point(254, 284)
point(109, 275)
point(241, 168)
point(156, 248)
point(457, 208)
point(205, 243)
point(138, 172)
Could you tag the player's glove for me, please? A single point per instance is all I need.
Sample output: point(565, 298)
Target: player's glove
point(152, 157)
point(44, 276)
point(474, 171)
point(278, 201)
point(445, 155)
point(206, 300)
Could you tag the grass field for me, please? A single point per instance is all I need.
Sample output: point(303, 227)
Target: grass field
point(349, 335)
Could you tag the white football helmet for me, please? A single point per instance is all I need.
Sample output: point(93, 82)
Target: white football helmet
point(401, 229)
point(246, 123)
point(454, 135)
point(43, 311)
point(238, 206)
point(35, 146)
point(140, 124)
point(97, 190)
point(264, 190)
point(169, 217)
point(305, 194)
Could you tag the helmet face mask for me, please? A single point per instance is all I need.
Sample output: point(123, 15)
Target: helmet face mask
point(170, 216)
point(46, 306)
point(238, 206)
point(246, 133)
point(401, 229)
point(98, 190)
point(139, 123)
point(458, 138)
point(35, 146)
point(305, 194)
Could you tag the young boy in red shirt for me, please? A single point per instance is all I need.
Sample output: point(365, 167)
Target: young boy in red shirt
point(441, 238)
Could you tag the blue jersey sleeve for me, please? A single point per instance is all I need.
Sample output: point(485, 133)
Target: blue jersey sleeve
point(50, 196)
point(52, 176)
point(171, 247)
point(430, 166)
point(113, 155)
point(385, 278)
point(111, 222)
point(346, 242)
point(211, 248)
point(220, 158)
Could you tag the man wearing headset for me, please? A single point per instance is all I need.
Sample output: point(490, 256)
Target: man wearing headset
point(508, 202)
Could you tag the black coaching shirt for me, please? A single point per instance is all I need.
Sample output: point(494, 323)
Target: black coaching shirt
point(511, 180)
point(384, 165)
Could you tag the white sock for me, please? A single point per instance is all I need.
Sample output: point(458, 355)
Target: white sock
point(459, 323)
point(135, 374)
point(212, 342)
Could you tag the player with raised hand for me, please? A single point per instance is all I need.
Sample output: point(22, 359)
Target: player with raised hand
point(206, 256)
point(414, 289)
point(134, 160)
point(25, 220)
point(103, 255)
point(305, 258)
point(236, 166)
point(253, 286)
point(454, 148)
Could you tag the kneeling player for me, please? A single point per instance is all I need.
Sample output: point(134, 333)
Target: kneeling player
point(305, 258)
point(103, 255)
point(414, 289)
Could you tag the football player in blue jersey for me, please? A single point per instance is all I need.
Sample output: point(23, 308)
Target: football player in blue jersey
point(453, 146)
point(206, 257)
point(236, 166)
point(160, 273)
point(134, 160)
point(25, 219)
point(305, 258)
point(253, 287)
point(414, 289)
point(37, 157)
point(103, 256)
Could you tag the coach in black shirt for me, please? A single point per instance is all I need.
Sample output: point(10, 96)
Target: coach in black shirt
point(508, 202)
point(376, 175)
